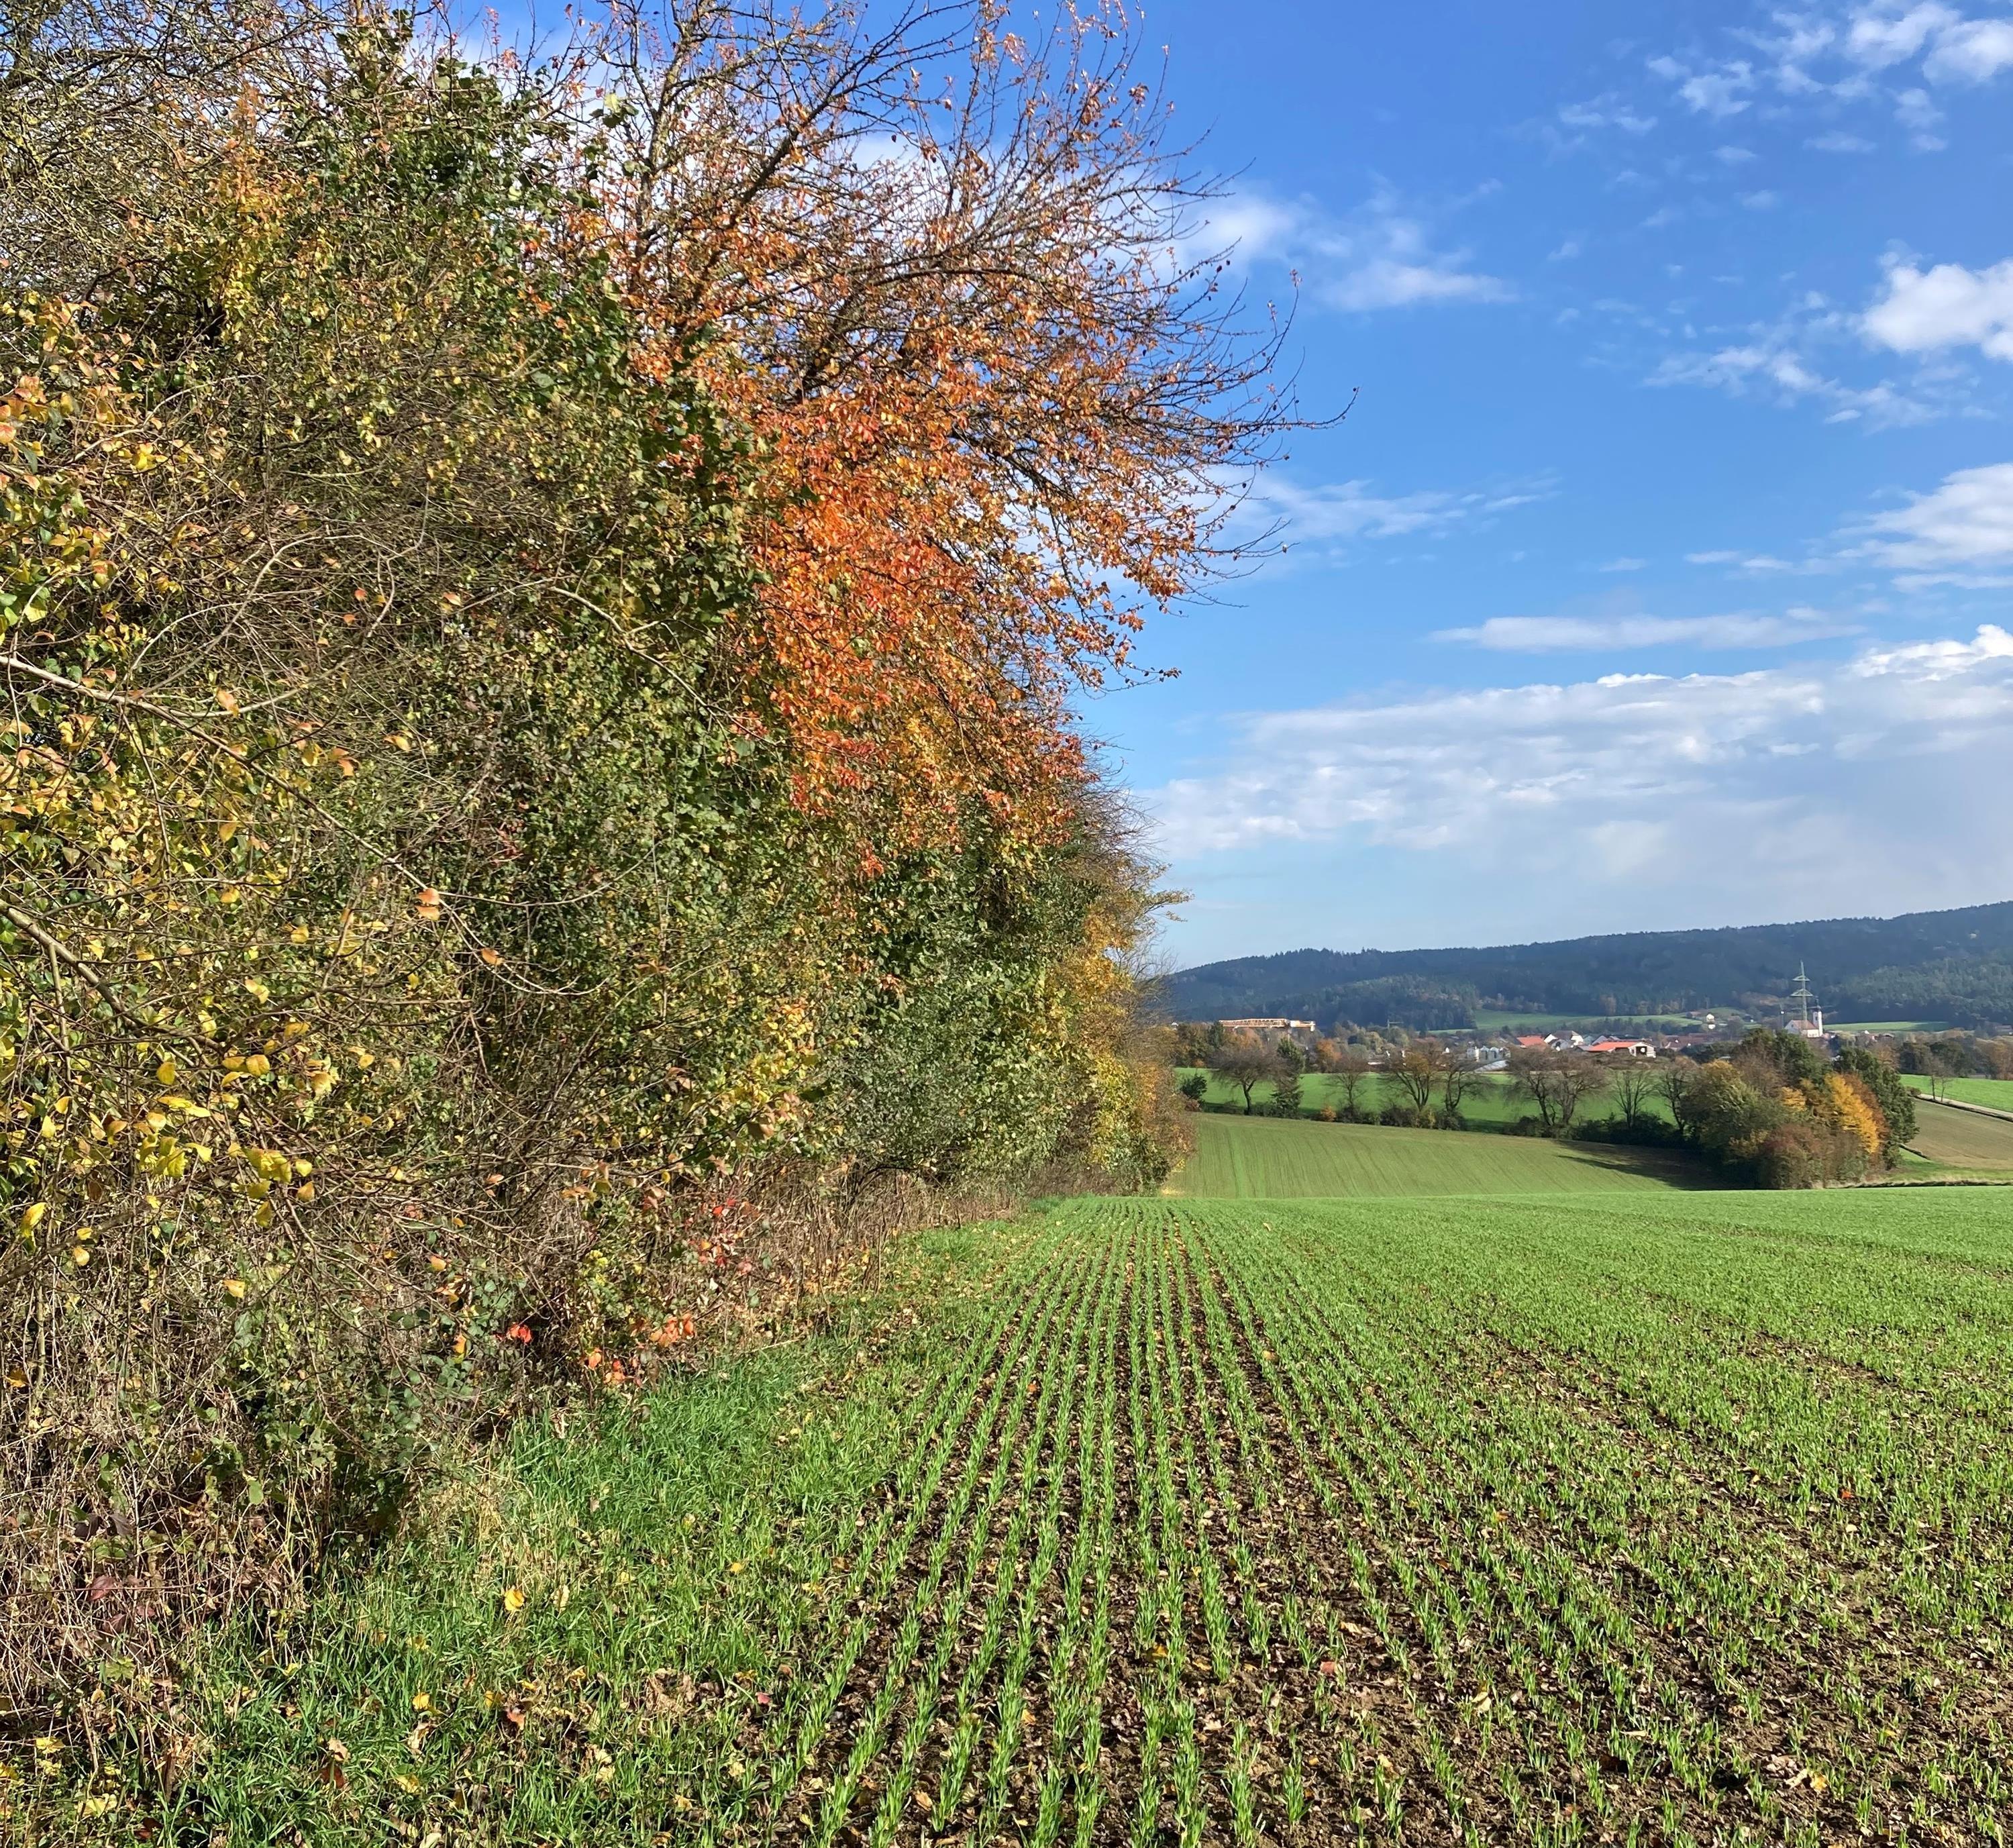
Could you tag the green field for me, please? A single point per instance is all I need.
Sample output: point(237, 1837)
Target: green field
point(1661, 1518)
point(1886, 1026)
point(1995, 1094)
point(1270, 1157)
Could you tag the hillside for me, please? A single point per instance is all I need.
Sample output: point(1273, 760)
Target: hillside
point(1953, 966)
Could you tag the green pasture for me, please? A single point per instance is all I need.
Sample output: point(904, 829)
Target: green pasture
point(1272, 1157)
point(1995, 1094)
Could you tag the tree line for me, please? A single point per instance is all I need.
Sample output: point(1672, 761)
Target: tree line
point(1771, 1111)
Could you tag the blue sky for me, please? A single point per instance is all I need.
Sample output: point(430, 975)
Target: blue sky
point(1661, 575)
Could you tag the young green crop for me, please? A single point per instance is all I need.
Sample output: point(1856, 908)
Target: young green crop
point(1660, 1518)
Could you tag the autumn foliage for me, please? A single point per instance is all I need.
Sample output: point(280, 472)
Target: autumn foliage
point(540, 602)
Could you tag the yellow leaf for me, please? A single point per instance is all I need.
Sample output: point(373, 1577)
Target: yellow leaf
point(492, 957)
point(513, 1599)
point(32, 1217)
point(166, 1073)
point(235, 1286)
point(17, 1378)
point(428, 906)
point(79, 1256)
point(422, 1702)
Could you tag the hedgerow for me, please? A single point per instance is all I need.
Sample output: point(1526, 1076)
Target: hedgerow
point(538, 602)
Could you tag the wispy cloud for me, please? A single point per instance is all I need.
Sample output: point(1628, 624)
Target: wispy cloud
point(1962, 527)
point(1769, 364)
point(1600, 113)
point(1897, 53)
point(1382, 255)
point(1720, 91)
point(1570, 635)
point(1336, 515)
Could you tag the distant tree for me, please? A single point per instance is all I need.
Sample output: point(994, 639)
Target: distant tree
point(1769, 1058)
point(1939, 1067)
point(1417, 1071)
point(1633, 1083)
point(1896, 1101)
point(1997, 1056)
point(1247, 1065)
point(1459, 1080)
point(1559, 1084)
point(1729, 1115)
point(1325, 1053)
point(1195, 1086)
point(1850, 1106)
point(1674, 1081)
point(1351, 1069)
point(1286, 1091)
point(1290, 1055)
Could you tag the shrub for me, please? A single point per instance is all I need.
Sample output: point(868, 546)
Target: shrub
point(1792, 1154)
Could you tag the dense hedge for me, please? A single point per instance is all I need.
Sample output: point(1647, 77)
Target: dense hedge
point(537, 604)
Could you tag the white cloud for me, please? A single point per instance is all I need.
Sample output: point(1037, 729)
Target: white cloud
point(1881, 34)
point(1563, 635)
point(1963, 524)
point(1770, 366)
point(1381, 255)
point(1606, 112)
point(1852, 784)
point(1953, 49)
point(1734, 157)
point(1720, 93)
point(1973, 52)
point(1623, 564)
point(1829, 56)
point(1764, 564)
point(1337, 513)
point(1948, 305)
point(1914, 111)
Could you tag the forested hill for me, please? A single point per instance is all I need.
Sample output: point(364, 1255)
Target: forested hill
point(1954, 966)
